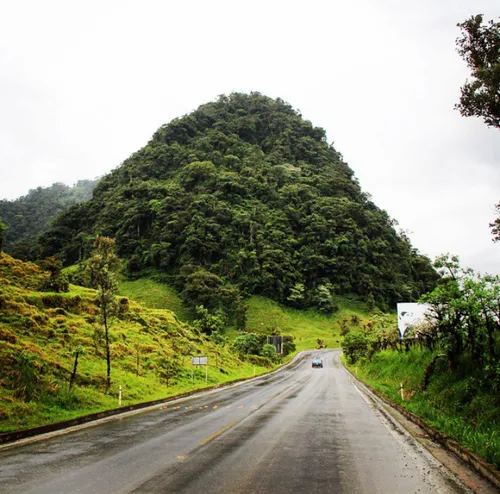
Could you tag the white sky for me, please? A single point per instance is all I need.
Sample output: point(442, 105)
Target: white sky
point(85, 84)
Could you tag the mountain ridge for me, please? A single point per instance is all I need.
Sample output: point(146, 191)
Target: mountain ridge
point(243, 196)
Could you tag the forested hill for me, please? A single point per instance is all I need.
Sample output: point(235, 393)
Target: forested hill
point(244, 195)
point(29, 216)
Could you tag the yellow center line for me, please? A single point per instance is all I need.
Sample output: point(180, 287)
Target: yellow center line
point(218, 433)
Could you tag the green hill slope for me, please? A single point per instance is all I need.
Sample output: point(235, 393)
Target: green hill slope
point(263, 314)
point(245, 197)
point(39, 333)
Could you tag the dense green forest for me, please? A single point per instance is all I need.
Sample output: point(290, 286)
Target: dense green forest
point(243, 196)
point(29, 216)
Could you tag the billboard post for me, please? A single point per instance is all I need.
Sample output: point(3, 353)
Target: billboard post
point(200, 361)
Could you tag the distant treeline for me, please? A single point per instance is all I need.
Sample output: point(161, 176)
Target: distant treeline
point(27, 217)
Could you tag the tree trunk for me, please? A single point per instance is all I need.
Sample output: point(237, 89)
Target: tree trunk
point(73, 375)
point(108, 354)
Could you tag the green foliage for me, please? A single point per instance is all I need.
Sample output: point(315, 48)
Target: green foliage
point(27, 372)
point(355, 346)
point(56, 281)
point(323, 298)
point(31, 215)
point(479, 46)
point(168, 368)
point(102, 267)
point(376, 335)
point(209, 323)
point(242, 197)
point(2, 235)
point(247, 344)
point(269, 352)
point(218, 338)
point(288, 345)
point(466, 310)
point(41, 335)
point(202, 288)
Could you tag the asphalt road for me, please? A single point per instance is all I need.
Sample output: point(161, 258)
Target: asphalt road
point(297, 430)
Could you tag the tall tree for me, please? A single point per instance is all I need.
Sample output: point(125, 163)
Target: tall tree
point(479, 46)
point(103, 266)
point(2, 229)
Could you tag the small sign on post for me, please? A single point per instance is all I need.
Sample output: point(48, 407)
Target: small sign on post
point(201, 361)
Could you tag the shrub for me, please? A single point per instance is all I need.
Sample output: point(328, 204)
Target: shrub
point(355, 346)
point(288, 345)
point(269, 352)
point(247, 344)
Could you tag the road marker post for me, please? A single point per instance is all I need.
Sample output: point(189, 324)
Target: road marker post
point(120, 396)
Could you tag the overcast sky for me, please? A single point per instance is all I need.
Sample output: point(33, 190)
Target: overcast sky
point(85, 84)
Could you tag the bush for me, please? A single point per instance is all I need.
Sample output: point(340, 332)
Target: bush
point(269, 352)
point(247, 344)
point(288, 345)
point(355, 346)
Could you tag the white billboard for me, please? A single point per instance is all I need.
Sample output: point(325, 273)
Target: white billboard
point(411, 314)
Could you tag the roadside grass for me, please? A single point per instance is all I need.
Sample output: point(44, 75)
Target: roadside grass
point(39, 332)
point(457, 404)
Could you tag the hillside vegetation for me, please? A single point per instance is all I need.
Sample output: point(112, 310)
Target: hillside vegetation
point(449, 365)
point(27, 217)
point(245, 197)
point(41, 333)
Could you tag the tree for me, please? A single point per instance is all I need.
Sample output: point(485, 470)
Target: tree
point(79, 350)
point(269, 351)
point(2, 238)
point(103, 266)
point(247, 344)
point(479, 46)
point(56, 281)
point(207, 322)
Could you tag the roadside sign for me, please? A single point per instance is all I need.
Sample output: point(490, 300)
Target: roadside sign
point(199, 360)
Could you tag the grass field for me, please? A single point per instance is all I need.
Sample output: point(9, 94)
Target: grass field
point(150, 351)
point(307, 326)
point(155, 295)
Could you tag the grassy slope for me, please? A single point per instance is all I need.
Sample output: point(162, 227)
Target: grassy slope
point(263, 313)
point(154, 295)
point(454, 403)
point(305, 325)
point(39, 331)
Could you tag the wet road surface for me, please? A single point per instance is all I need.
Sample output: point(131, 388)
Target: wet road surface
point(297, 430)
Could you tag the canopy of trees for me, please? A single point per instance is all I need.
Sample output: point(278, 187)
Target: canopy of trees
point(479, 46)
point(29, 216)
point(245, 196)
